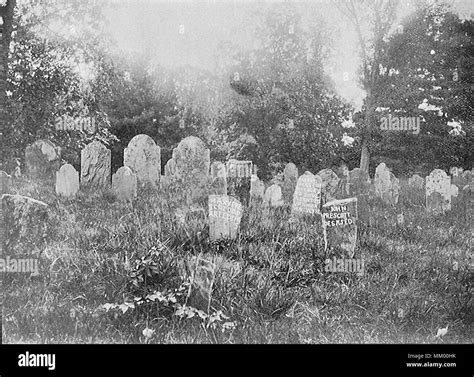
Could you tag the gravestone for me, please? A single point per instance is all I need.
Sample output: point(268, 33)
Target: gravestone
point(307, 196)
point(257, 189)
point(42, 159)
point(25, 223)
point(225, 213)
point(416, 182)
point(202, 281)
point(170, 168)
point(189, 169)
point(273, 196)
point(5, 180)
point(95, 165)
point(143, 157)
point(329, 184)
point(438, 191)
point(387, 186)
point(67, 181)
point(339, 218)
point(290, 177)
point(218, 184)
point(124, 184)
point(238, 179)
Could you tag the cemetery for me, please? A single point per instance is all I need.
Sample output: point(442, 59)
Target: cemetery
point(161, 224)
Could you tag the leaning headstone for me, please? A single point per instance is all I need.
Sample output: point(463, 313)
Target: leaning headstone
point(290, 177)
point(329, 184)
point(189, 169)
point(225, 213)
point(124, 184)
point(143, 156)
point(416, 182)
point(95, 165)
point(273, 196)
point(339, 218)
point(257, 189)
point(67, 181)
point(238, 179)
point(307, 196)
point(42, 159)
point(387, 186)
point(202, 280)
point(218, 179)
point(25, 223)
point(5, 180)
point(438, 191)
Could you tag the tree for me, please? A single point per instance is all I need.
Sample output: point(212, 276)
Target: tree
point(282, 109)
point(380, 14)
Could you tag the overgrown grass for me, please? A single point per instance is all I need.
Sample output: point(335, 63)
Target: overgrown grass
point(270, 281)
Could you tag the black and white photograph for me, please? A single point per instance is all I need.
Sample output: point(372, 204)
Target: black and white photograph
point(237, 172)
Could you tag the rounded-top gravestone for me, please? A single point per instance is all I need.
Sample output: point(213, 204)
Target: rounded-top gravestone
point(143, 156)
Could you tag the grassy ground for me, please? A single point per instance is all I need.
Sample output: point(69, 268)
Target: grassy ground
point(270, 282)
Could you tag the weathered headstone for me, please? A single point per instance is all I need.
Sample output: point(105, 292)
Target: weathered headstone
point(225, 213)
point(95, 165)
point(329, 184)
point(67, 181)
point(5, 180)
point(290, 177)
point(218, 184)
point(202, 281)
point(387, 186)
point(189, 170)
point(238, 179)
point(257, 189)
point(339, 218)
point(25, 223)
point(307, 196)
point(42, 159)
point(143, 156)
point(124, 184)
point(416, 182)
point(273, 196)
point(438, 191)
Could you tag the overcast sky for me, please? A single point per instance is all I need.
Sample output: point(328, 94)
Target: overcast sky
point(190, 32)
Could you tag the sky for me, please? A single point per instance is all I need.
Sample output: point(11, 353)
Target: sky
point(192, 32)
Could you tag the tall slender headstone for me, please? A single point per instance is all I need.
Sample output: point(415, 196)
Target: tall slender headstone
point(438, 191)
point(143, 156)
point(307, 196)
point(339, 218)
point(42, 159)
point(238, 179)
point(290, 177)
point(67, 181)
point(95, 165)
point(124, 184)
point(225, 213)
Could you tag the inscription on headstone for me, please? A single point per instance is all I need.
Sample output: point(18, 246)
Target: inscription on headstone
point(307, 196)
point(438, 191)
point(225, 213)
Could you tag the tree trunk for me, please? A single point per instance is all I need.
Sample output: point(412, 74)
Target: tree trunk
point(365, 156)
